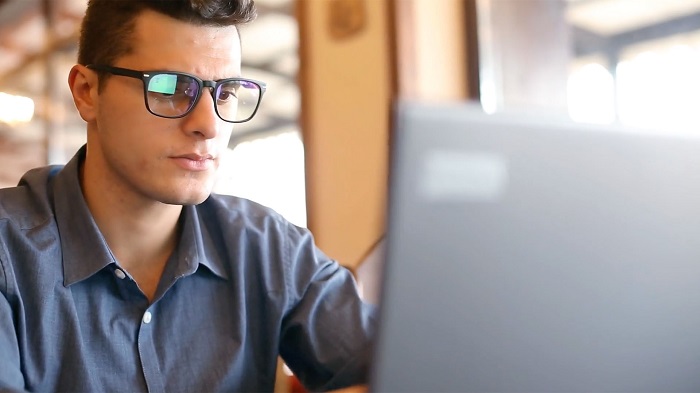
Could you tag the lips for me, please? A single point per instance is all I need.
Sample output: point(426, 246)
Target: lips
point(194, 161)
point(196, 156)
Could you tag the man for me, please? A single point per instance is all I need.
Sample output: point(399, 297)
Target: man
point(120, 272)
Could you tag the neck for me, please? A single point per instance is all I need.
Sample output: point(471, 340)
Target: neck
point(140, 233)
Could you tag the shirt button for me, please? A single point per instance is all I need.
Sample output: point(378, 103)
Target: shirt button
point(119, 273)
point(147, 317)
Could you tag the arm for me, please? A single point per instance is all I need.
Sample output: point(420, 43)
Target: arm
point(11, 378)
point(327, 332)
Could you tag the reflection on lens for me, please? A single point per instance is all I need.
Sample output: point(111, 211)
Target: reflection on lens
point(173, 95)
point(163, 83)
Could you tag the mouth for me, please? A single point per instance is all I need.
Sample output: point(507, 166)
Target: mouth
point(194, 161)
point(195, 156)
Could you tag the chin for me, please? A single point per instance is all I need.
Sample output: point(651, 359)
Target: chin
point(188, 193)
point(184, 201)
point(192, 199)
point(183, 197)
point(197, 201)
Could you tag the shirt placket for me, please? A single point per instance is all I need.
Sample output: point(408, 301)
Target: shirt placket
point(147, 353)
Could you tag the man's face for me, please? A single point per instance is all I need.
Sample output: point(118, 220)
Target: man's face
point(171, 161)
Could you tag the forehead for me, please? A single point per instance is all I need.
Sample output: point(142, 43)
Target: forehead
point(161, 42)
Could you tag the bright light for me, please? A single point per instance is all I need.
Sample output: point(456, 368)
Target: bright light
point(15, 109)
point(591, 94)
point(660, 88)
point(269, 171)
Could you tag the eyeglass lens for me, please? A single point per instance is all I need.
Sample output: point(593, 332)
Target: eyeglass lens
point(173, 95)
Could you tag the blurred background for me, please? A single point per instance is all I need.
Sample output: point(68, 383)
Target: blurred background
point(318, 150)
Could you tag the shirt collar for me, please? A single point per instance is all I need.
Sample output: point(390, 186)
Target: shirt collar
point(197, 245)
point(85, 251)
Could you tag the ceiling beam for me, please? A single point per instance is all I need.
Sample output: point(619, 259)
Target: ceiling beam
point(588, 43)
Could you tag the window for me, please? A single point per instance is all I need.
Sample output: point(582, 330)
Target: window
point(637, 65)
point(630, 62)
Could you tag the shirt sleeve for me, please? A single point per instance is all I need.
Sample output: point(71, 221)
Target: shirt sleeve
point(11, 378)
point(328, 330)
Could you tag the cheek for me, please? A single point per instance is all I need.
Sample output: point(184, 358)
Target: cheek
point(120, 120)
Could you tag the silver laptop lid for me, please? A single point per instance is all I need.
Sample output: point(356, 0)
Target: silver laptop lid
point(535, 255)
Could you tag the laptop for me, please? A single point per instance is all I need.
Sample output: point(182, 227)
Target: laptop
point(533, 254)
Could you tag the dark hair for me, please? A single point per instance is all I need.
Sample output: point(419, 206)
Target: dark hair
point(107, 27)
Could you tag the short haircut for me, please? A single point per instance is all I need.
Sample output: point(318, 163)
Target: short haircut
point(108, 25)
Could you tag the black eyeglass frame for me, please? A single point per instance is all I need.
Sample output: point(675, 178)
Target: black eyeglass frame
point(213, 85)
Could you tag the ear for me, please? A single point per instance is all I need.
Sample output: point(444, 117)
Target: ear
point(83, 86)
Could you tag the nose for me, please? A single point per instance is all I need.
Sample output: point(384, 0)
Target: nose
point(202, 121)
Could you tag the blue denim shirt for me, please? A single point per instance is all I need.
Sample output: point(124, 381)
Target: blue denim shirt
point(242, 287)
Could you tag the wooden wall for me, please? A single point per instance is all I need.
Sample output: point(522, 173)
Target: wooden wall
point(356, 57)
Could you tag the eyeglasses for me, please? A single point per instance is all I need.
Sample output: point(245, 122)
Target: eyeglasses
point(173, 94)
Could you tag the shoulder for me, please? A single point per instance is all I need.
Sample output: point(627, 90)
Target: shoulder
point(243, 213)
point(257, 226)
point(234, 205)
point(29, 204)
point(26, 218)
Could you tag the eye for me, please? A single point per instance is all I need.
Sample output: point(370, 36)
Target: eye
point(227, 93)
